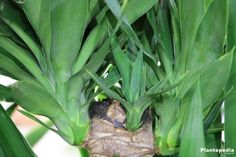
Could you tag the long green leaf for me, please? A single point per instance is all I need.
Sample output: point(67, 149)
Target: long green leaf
point(160, 25)
point(64, 129)
point(12, 143)
point(128, 11)
point(106, 89)
point(69, 19)
point(37, 133)
point(137, 78)
point(216, 128)
point(21, 55)
point(141, 7)
point(12, 68)
point(189, 24)
point(76, 83)
point(158, 86)
point(94, 38)
point(213, 33)
point(32, 117)
point(9, 11)
point(5, 93)
point(214, 86)
point(97, 59)
point(39, 15)
point(212, 114)
point(29, 96)
point(112, 77)
point(29, 41)
point(192, 139)
point(230, 107)
point(7, 31)
point(176, 34)
point(151, 77)
point(126, 25)
point(124, 66)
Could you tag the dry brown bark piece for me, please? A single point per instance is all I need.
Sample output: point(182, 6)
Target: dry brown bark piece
point(108, 136)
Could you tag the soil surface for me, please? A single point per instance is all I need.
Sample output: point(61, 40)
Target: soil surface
point(108, 136)
point(102, 109)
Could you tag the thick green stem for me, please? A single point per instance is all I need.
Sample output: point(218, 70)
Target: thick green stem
point(133, 121)
point(83, 152)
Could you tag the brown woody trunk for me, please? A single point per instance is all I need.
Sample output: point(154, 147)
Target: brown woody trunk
point(108, 136)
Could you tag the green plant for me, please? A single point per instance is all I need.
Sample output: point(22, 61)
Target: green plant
point(175, 57)
point(43, 46)
point(230, 106)
point(189, 47)
point(21, 147)
point(133, 95)
point(183, 54)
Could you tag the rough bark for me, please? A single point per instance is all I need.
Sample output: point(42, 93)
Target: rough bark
point(109, 137)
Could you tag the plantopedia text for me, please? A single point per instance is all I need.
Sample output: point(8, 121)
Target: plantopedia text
point(216, 150)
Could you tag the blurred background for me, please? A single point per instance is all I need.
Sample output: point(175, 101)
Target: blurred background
point(50, 145)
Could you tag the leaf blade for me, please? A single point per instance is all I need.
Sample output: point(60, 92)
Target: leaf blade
point(230, 107)
point(210, 31)
point(192, 139)
point(66, 16)
point(14, 145)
